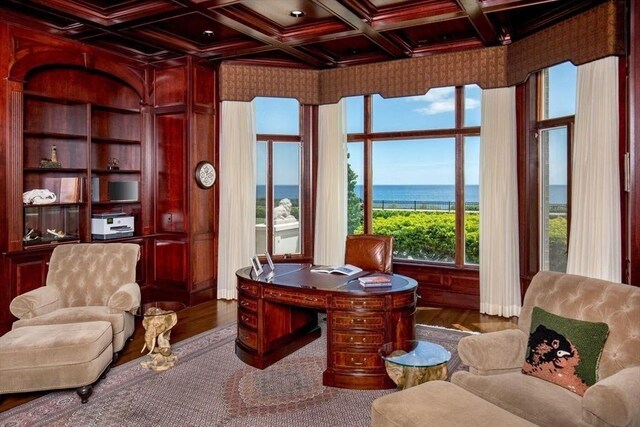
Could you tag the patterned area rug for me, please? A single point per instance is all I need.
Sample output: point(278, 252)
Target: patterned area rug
point(210, 386)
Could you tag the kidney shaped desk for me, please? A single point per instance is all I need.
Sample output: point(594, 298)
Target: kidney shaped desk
point(278, 314)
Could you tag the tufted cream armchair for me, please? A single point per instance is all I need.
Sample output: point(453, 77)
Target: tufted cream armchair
point(495, 359)
point(86, 282)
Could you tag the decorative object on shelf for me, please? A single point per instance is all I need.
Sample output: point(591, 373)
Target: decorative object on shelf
point(53, 161)
point(49, 164)
point(113, 164)
point(38, 197)
point(58, 234)
point(205, 175)
point(31, 235)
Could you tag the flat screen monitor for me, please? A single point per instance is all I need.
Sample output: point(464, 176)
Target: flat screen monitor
point(123, 191)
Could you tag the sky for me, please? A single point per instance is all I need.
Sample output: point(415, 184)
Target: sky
point(412, 162)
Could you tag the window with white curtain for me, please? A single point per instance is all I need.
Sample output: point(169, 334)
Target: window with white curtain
point(556, 111)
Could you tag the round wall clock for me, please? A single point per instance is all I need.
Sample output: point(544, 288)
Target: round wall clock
point(205, 175)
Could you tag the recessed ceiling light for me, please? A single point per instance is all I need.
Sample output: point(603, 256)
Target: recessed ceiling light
point(208, 33)
point(296, 13)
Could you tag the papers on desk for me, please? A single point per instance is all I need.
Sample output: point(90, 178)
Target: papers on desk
point(375, 281)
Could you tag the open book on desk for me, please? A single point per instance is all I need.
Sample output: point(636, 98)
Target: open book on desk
point(346, 269)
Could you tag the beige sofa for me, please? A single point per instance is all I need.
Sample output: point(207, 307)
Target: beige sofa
point(86, 282)
point(495, 359)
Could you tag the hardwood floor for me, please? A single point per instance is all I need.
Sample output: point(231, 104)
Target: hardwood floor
point(205, 316)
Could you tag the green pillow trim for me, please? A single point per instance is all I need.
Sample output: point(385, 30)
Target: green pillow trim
point(588, 338)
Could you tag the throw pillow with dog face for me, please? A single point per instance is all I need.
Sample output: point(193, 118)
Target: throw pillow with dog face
point(564, 351)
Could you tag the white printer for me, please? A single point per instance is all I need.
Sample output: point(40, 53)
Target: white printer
point(107, 226)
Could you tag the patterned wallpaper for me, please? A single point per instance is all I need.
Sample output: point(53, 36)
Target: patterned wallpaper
point(594, 34)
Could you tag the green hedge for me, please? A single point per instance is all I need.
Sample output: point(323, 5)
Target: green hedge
point(431, 236)
point(426, 235)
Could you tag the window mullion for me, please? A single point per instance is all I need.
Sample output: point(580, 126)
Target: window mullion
point(269, 193)
point(459, 177)
point(368, 166)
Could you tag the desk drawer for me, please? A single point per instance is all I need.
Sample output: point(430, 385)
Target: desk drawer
point(343, 359)
point(353, 320)
point(355, 303)
point(248, 337)
point(404, 300)
point(249, 288)
point(358, 339)
point(295, 298)
point(247, 303)
point(247, 319)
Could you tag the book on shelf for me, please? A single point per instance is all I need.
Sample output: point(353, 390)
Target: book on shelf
point(375, 281)
point(346, 269)
point(69, 190)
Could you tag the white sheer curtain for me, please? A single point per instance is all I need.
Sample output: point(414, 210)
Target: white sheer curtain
point(499, 262)
point(237, 177)
point(331, 197)
point(595, 237)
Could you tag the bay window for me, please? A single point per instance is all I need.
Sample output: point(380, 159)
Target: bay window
point(414, 172)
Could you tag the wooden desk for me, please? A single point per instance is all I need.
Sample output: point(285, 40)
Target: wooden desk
point(280, 315)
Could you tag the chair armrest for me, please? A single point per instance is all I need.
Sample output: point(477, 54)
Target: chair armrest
point(494, 352)
point(614, 399)
point(36, 302)
point(126, 298)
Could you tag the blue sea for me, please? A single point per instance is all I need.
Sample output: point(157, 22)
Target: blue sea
point(426, 193)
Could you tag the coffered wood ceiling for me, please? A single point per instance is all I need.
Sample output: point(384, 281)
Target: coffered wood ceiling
point(331, 33)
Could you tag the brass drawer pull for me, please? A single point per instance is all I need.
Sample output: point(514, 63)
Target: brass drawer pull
point(353, 362)
point(358, 320)
point(244, 303)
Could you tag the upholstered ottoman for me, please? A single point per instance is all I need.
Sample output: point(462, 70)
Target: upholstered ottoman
point(439, 403)
point(46, 357)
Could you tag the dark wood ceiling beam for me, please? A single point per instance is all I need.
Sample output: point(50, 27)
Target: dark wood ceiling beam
point(181, 45)
point(485, 29)
point(559, 13)
point(490, 6)
point(297, 41)
point(248, 18)
point(344, 14)
point(311, 33)
point(451, 46)
point(397, 23)
point(107, 19)
point(415, 13)
point(245, 29)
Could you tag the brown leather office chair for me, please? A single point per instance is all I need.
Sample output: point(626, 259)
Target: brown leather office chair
point(370, 252)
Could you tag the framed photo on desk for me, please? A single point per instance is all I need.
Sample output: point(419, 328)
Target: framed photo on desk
point(269, 261)
point(256, 266)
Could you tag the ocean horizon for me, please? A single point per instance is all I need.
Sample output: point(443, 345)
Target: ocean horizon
point(406, 193)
